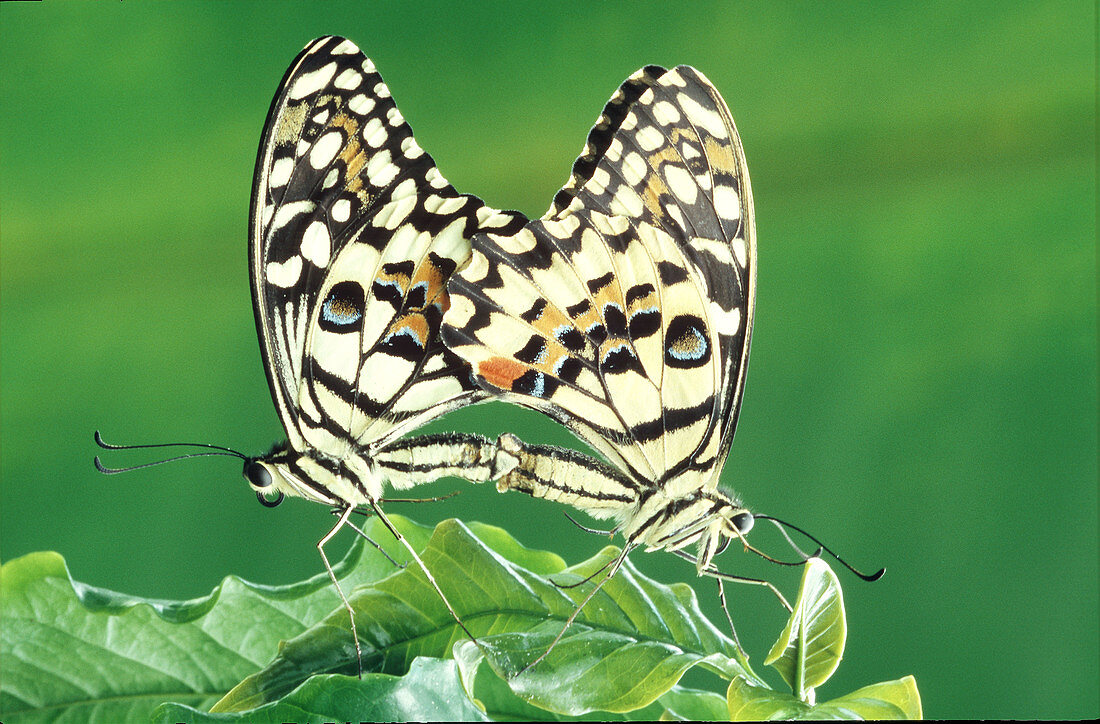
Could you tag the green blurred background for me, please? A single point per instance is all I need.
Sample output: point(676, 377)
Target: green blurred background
point(923, 386)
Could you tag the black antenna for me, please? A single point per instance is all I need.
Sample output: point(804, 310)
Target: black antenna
point(111, 471)
point(822, 546)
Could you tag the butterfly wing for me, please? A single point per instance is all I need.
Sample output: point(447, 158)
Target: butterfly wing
point(354, 234)
point(625, 312)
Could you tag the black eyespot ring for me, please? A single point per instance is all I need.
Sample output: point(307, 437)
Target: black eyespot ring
point(268, 503)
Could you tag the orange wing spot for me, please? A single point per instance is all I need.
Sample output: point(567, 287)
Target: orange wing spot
point(611, 294)
point(550, 319)
point(436, 283)
point(501, 372)
point(352, 154)
point(415, 323)
point(398, 279)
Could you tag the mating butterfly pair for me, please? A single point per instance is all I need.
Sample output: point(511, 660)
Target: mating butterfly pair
point(384, 298)
point(624, 312)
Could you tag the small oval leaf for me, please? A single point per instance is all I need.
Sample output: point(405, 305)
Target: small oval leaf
point(812, 644)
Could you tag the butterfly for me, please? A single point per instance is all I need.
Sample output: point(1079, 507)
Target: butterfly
point(625, 313)
point(353, 236)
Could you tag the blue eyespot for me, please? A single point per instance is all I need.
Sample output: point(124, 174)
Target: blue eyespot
point(342, 310)
point(686, 343)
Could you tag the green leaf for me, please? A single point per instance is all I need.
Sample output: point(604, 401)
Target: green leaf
point(73, 651)
point(494, 695)
point(629, 645)
point(693, 705)
point(747, 702)
point(888, 700)
point(401, 616)
point(898, 699)
point(812, 644)
point(430, 691)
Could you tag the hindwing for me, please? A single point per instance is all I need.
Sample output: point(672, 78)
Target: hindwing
point(354, 234)
point(626, 311)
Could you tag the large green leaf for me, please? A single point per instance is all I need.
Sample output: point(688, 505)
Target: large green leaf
point(630, 644)
point(812, 644)
point(898, 699)
point(73, 651)
point(500, 703)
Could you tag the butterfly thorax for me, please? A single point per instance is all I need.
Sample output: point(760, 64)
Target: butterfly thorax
point(669, 521)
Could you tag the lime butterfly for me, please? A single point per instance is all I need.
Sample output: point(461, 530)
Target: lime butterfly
point(625, 313)
point(354, 234)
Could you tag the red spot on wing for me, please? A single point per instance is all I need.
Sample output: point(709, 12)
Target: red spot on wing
point(501, 372)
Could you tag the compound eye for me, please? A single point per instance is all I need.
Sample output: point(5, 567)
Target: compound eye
point(743, 522)
point(257, 475)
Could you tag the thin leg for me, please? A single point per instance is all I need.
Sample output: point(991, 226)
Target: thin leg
point(717, 574)
point(370, 540)
point(431, 579)
point(573, 617)
point(331, 574)
point(726, 610)
point(583, 581)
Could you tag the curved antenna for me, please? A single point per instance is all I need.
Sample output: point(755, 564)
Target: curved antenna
point(822, 546)
point(108, 446)
point(228, 452)
point(753, 549)
point(111, 471)
point(790, 541)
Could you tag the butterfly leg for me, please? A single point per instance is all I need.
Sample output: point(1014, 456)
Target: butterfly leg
point(331, 574)
point(363, 534)
point(729, 619)
point(576, 612)
point(427, 458)
point(713, 572)
point(427, 573)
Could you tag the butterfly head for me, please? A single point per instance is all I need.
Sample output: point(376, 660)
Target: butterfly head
point(266, 480)
point(310, 474)
point(277, 474)
point(674, 520)
point(728, 519)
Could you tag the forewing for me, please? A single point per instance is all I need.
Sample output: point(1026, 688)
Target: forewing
point(354, 234)
point(626, 312)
